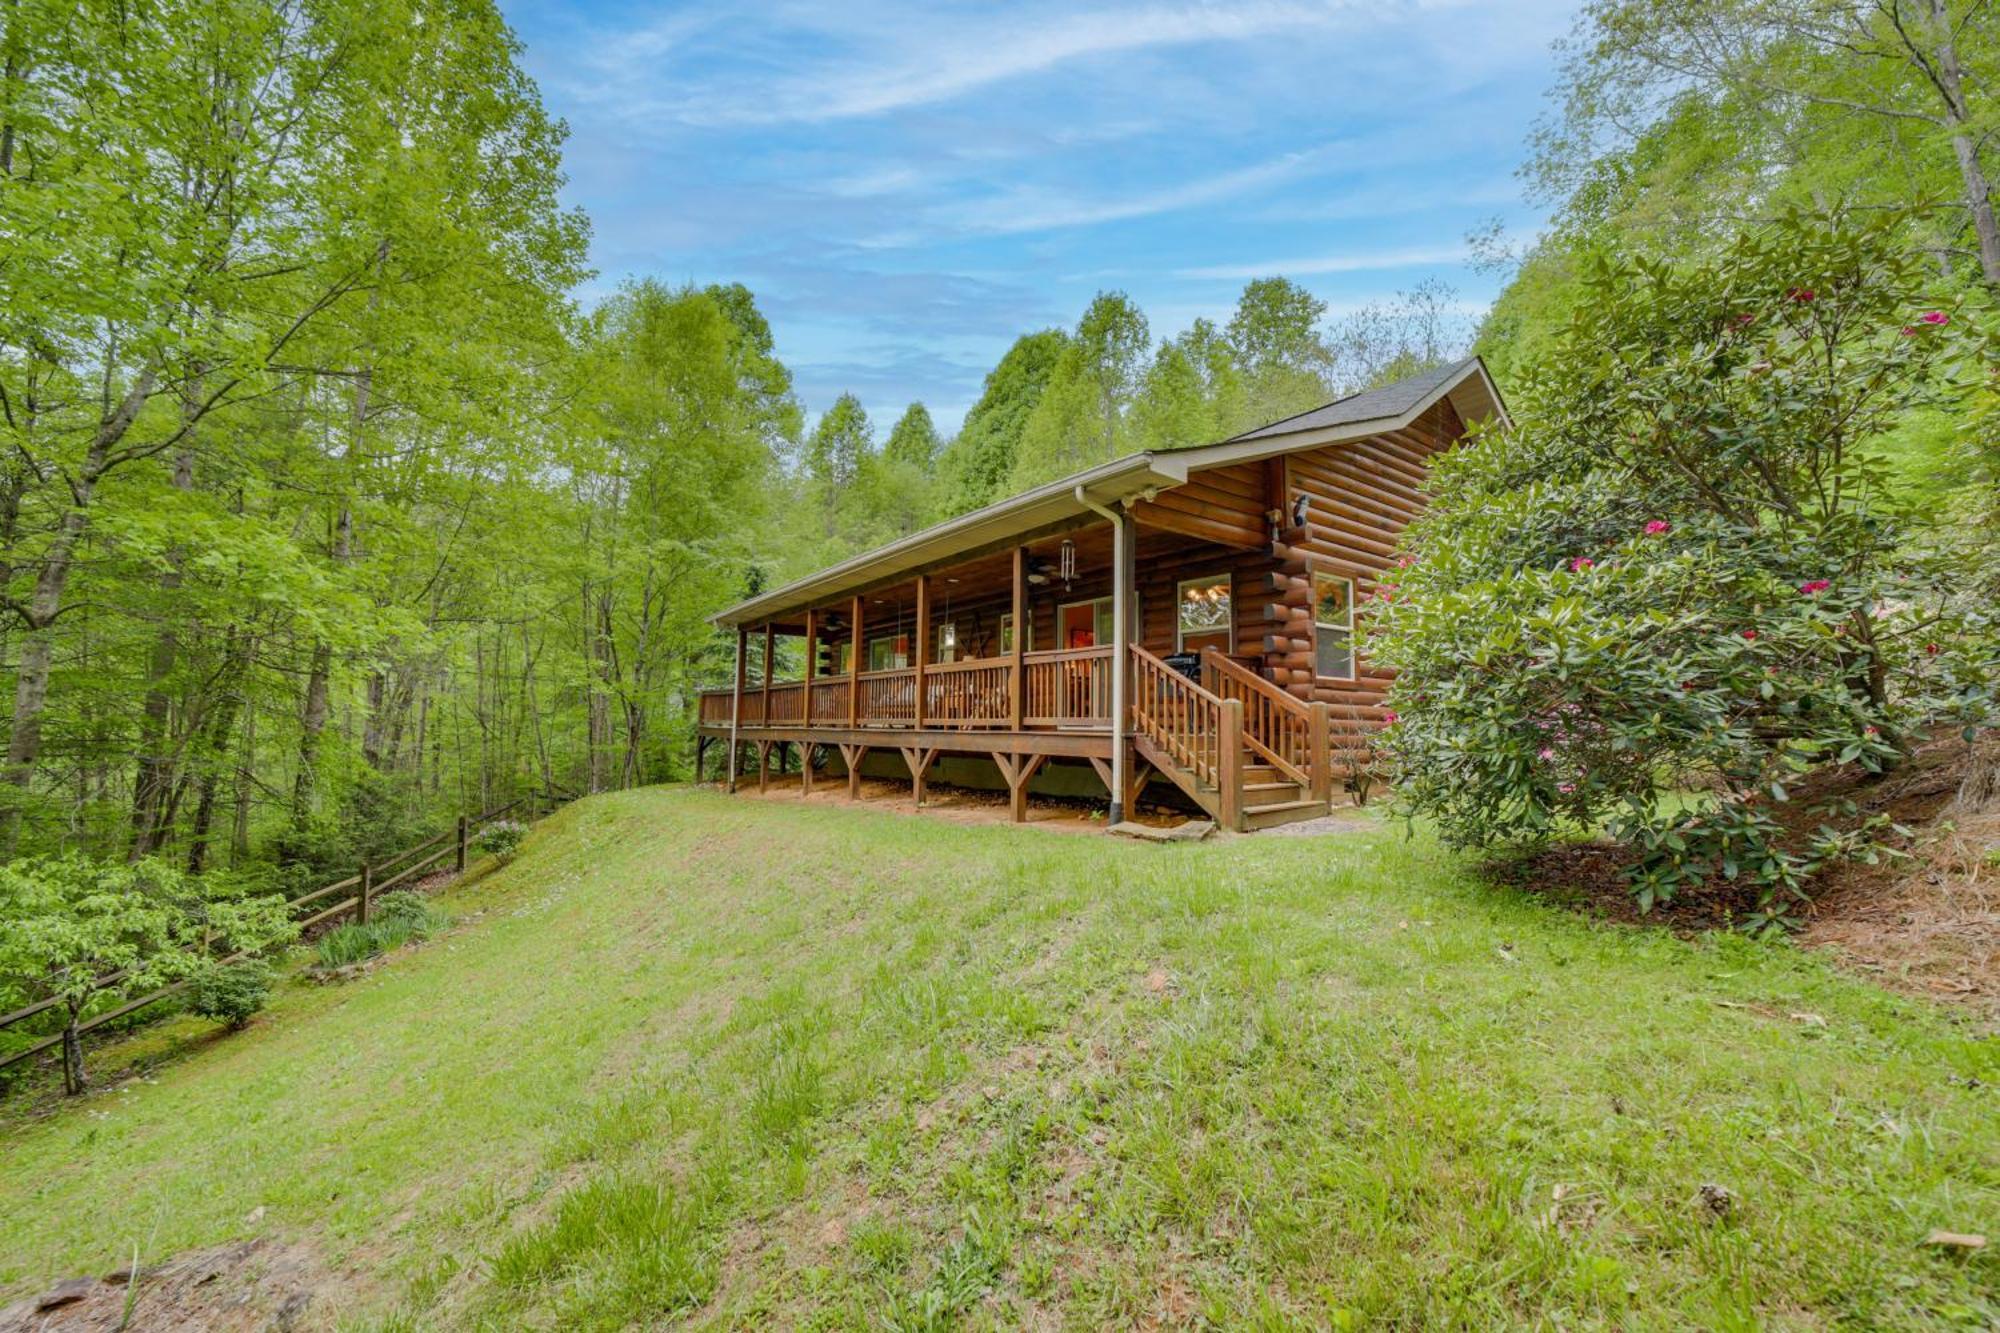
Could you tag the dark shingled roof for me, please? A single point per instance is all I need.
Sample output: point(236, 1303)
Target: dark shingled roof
point(1390, 400)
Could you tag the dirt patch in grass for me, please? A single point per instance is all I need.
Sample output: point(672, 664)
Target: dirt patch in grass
point(956, 805)
point(251, 1284)
point(1925, 923)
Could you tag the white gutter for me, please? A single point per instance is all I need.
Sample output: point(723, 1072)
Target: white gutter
point(1121, 634)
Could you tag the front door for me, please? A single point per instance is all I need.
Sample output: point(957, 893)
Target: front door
point(1085, 624)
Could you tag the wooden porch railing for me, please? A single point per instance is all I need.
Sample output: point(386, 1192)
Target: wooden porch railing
point(715, 708)
point(888, 698)
point(1286, 731)
point(787, 703)
point(974, 693)
point(1197, 730)
point(829, 700)
point(1067, 688)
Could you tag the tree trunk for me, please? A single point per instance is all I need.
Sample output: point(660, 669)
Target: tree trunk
point(31, 680)
point(156, 767)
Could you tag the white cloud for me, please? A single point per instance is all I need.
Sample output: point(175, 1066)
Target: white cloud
point(1024, 210)
point(1349, 262)
point(914, 62)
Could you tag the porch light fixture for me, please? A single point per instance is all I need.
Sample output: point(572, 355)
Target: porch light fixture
point(948, 636)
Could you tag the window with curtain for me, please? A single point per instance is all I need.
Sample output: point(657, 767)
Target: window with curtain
point(1333, 626)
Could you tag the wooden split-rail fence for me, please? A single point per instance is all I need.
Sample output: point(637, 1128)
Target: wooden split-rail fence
point(353, 896)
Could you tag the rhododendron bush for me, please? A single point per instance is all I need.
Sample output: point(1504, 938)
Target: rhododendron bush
point(1680, 588)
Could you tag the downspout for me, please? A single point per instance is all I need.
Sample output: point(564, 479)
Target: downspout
point(1121, 634)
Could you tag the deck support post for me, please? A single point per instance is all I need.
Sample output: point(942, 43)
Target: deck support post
point(1018, 770)
point(769, 644)
point(1137, 776)
point(1015, 679)
point(852, 755)
point(854, 666)
point(1319, 753)
point(812, 662)
point(1229, 764)
point(919, 759)
point(806, 768)
point(736, 701)
point(923, 643)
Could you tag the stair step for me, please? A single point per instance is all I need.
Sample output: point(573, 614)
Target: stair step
point(1281, 812)
point(1270, 791)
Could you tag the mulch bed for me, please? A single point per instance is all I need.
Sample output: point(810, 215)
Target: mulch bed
point(1926, 924)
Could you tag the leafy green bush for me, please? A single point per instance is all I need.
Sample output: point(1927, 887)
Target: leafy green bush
point(231, 994)
point(395, 919)
point(67, 921)
point(502, 839)
point(1681, 573)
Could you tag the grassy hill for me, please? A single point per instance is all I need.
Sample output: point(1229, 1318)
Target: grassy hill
point(739, 1062)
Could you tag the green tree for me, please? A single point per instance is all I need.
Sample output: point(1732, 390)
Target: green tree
point(1684, 570)
point(80, 932)
point(979, 462)
point(1192, 393)
point(1081, 417)
point(913, 441)
point(1282, 355)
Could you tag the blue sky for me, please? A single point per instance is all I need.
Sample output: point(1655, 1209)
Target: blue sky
point(908, 187)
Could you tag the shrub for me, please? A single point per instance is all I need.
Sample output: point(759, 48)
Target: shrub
point(231, 994)
point(395, 920)
point(502, 839)
point(1681, 572)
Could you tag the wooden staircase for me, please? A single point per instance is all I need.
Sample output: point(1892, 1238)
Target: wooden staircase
point(1249, 754)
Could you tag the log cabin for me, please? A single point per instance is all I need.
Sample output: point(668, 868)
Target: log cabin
point(1183, 616)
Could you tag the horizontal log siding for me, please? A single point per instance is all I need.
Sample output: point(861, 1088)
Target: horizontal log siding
point(1224, 504)
point(1359, 497)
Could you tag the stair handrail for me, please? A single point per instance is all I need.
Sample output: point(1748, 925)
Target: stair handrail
point(1191, 726)
point(1292, 735)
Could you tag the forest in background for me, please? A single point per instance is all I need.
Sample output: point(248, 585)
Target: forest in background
point(327, 509)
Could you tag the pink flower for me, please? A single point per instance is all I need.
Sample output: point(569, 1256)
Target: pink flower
point(1658, 526)
point(1750, 634)
point(1581, 563)
point(1871, 731)
point(1931, 648)
point(1389, 718)
point(1909, 330)
point(1546, 753)
point(1936, 317)
point(1801, 294)
point(1814, 587)
point(1566, 787)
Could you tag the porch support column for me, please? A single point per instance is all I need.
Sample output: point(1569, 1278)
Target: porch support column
point(736, 701)
point(923, 641)
point(768, 644)
point(812, 661)
point(1122, 578)
point(854, 666)
point(1015, 677)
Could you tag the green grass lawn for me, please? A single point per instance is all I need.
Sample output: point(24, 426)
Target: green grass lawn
point(741, 1063)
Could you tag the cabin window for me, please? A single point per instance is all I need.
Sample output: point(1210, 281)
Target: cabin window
point(1204, 618)
point(1006, 633)
point(891, 652)
point(1084, 624)
point(843, 657)
point(1333, 626)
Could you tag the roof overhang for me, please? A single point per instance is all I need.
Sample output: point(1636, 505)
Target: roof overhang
point(1472, 395)
point(1117, 482)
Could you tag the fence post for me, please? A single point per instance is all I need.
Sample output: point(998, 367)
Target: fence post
point(367, 890)
point(1320, 753)
point(1229, 764)
point(459, 863)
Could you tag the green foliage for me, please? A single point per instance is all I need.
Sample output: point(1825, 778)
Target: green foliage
point(635, 1249)
point(231, 994)
point(980, 459)
point(1684, 571)
point(87, 932)
point(502, 839)
point(395, 919)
